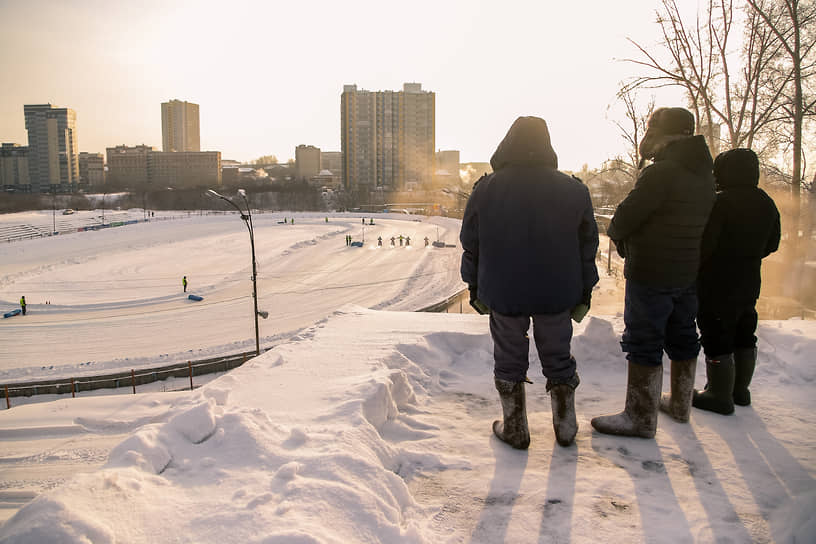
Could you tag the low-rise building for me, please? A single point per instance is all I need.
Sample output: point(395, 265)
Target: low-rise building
point(140, 165)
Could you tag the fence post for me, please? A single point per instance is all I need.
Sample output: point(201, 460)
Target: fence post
point(8, 403)
point(190, 366)
point(609, 258)
point(133, 380)
point(73, 389)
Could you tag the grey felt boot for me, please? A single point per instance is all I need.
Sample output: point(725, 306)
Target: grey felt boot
point(677, 403)
point(562, 400)
point(744, 365)
point(639, 416)
point(513, 429)
point(718, 393)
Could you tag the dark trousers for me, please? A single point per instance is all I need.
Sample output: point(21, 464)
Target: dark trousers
point(511, 345)
point(658, 319)
point(728, 328)
point(23, 307)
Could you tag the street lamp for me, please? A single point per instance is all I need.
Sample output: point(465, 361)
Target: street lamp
point(247, 217)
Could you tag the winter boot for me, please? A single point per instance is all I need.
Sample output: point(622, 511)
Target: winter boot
point(562, 399)
point(639, 416)
point(677, 403)
point(744, 365)
point(717, 395)
point(513, 430)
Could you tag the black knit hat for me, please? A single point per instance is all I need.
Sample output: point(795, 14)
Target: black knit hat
point(667, 121)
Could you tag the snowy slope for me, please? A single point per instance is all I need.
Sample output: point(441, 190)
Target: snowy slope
point(374, 426)
point(116, 302)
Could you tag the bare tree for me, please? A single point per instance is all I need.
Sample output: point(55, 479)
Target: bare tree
point(793, 23)
point(701, 60)
point(632, 129)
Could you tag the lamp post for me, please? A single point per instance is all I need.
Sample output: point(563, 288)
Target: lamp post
point(247, 217)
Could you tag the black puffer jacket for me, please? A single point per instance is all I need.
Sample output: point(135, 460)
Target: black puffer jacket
point(743, 229)
point(528, 234)
point(659, 226)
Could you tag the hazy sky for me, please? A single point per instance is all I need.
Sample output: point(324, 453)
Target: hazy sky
point(268, 75)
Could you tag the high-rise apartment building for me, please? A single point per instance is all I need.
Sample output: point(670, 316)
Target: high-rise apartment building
point(180, 126)
point(387, 138)
point(307, 161)
point(53, 157)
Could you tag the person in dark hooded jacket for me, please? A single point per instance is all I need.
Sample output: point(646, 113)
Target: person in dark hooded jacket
point(743, 229)
point(658, 229)
point(529, 240)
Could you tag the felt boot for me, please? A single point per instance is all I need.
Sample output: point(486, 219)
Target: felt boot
point(718, 393)
point(513, 429)
point(677, 403)
point(744, 365)
point(562, 400)
point(639, 416)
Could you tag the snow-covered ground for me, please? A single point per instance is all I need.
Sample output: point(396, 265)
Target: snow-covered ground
point(115, 302)
point(372, 425)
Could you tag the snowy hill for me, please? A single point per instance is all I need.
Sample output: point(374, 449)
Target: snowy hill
point(374, 426)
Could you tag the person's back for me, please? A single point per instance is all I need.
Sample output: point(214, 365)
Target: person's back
point(529, 240)
point(743, 229)
point(529, 219)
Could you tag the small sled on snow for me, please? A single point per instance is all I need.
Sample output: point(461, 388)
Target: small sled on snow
point(12, 313)
point(195, 298)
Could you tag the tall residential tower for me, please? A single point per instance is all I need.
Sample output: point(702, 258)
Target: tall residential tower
point(180, 126)
point(387, 138)
point(53, 156)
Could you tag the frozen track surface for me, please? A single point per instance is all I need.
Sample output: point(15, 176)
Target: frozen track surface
point(116, 302)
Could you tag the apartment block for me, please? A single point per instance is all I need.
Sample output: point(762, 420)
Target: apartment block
point(127, 166)
point(180, 126)
point(142, 165)
point(387, 138)
point(307, 161)
point(14, 168)
point(53, 157)
point(91, 169)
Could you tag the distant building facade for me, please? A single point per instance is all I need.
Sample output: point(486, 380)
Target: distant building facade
point(127, 166)
point(387, 138)
point(307, 161)
point(180, 126)
point(184, 169)
point(447, 168)
point(332, 161)
point(140, 165)
point(91, 169)
point(53, 157)
point(14, 168)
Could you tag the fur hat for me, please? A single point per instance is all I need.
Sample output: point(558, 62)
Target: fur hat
point(665, 125)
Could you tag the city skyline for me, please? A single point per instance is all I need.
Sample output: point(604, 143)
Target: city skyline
point(269, 79)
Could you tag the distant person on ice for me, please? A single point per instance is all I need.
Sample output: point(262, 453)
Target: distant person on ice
point(743, 229)
point(184, 283)
point(23, 304)
point(524, 268)
point(658, 229)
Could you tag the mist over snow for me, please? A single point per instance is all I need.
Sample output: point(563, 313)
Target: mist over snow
point(371, 422)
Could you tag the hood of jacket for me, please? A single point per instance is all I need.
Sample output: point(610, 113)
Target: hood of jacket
point(527, 142)
point(736, 167)
point(691, 153)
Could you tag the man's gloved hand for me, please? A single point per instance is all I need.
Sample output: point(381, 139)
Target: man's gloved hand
point(582, 308)
point(475, 303)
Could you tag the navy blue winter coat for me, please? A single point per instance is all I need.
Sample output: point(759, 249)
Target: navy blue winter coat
point(529, 234)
